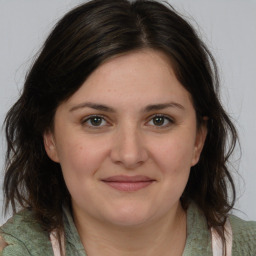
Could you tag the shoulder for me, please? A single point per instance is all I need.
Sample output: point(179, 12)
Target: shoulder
point(22, 235)
point(244, 236)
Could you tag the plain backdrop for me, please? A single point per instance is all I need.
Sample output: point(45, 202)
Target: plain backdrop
point(227, 26)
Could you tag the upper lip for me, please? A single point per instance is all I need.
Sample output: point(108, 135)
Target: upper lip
point(124, 178)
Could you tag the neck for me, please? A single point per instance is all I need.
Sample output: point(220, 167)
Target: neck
point(166, 236)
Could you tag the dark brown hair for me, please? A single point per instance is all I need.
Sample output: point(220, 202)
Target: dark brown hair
point(80, 42)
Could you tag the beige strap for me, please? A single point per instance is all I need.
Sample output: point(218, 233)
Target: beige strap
point(3, 244)
point(217, 245)
point(55, 244)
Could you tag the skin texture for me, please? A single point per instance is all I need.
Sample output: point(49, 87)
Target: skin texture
point(128, 140)
point(3, 244)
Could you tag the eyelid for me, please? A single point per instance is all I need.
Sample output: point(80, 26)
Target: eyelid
point(87, 118)
point(170, 119)
point(84, 119)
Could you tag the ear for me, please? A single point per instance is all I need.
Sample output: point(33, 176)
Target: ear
point(199, 142)
point(50, 147)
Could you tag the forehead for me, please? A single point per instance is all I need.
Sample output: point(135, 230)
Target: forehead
point(141, 76)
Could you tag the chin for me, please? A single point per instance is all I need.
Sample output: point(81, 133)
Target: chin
point(128, 216)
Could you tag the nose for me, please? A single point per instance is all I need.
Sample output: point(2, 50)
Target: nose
point(128, 148)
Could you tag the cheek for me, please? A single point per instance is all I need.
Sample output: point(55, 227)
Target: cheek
point(80, 159)
point(174, 155)
point(80, 163)
point(175, 164)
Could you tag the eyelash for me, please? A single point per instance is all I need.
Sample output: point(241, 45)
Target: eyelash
point(90, 118)
point(168, 118)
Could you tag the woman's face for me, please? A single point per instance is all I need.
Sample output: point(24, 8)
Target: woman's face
point(126, 140)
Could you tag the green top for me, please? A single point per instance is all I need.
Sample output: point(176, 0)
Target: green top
point(24, 236)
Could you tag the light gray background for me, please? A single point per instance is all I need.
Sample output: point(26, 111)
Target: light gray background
point(227, 26)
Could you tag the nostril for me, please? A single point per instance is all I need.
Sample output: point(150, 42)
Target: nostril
point(128, 148)
point(129, 161)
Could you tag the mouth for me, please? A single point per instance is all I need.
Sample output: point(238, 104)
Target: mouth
point(128, 183)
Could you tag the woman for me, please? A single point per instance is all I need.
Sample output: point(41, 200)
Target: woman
point(118, 143)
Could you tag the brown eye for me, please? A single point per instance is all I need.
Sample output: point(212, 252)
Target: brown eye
point(160, 121)
point(95, 121)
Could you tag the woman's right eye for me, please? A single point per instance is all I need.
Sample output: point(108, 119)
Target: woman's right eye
point(94, 121)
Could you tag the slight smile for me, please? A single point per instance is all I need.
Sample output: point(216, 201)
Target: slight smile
point(128, 183)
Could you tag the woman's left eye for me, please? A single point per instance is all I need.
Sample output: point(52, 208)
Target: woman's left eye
point(95, 121)
point(160, 121)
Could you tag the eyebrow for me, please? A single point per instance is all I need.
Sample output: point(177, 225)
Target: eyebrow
point(92, 105)
point(163, 106)
point(148, 108)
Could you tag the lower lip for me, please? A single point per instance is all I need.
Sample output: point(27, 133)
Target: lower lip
point(128, 186)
